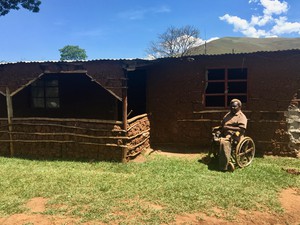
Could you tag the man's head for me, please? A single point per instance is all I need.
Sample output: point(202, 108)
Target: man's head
point(235, 105)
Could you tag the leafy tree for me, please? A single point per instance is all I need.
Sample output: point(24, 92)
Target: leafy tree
point(7, 5)
point(174, 42)
point(72, 52)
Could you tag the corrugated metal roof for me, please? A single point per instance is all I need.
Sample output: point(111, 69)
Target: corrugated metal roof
point(147, 60)
point(72, 61)
point(233, 54)
point(18, 75)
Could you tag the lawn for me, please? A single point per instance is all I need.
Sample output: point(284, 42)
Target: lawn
point(151, 192)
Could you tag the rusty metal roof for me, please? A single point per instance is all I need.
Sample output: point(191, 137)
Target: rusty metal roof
point(74, 61)
point(107, 73)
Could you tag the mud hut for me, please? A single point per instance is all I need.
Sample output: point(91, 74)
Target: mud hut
point(114, 109)
point(189, 95)
point(72, 110)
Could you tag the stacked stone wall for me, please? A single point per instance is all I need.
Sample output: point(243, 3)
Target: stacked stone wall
point(293, 130)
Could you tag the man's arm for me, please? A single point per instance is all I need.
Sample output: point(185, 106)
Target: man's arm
point(228, 128)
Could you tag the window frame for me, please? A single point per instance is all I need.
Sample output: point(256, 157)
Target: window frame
point(42, 87)
point(226, 82)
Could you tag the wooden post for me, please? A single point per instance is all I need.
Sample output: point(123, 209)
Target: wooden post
point(125, 101)
point(9, 119)
point(125, 104)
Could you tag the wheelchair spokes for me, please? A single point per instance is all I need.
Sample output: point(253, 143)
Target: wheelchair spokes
point(245, 152)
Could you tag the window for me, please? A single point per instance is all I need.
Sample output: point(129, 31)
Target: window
point(45, 93)
point(222, 85)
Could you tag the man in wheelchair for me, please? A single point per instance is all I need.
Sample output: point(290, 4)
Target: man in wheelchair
point(229, 134)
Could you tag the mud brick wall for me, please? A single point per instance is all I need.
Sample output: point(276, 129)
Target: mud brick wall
point(4, 146)
point(138, 135)
point(67, 139)
point(176, 89)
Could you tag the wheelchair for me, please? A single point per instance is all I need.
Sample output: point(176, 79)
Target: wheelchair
point(242, 149)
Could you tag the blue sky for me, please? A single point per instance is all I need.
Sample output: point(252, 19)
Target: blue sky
point(118, 29)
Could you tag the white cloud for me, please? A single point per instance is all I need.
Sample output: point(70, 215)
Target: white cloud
point(274, 7)
point(261, 20)
point(243, 26)
point(212, 39)
point(270, 23)
point(141, 13)
point(282, 26)
point(199, 41)
point(237, 22)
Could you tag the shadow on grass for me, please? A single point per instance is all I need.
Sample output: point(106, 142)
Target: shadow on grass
point(212, 164)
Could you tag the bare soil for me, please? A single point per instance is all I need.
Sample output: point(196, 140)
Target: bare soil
point(290, 201)
point(289, 198)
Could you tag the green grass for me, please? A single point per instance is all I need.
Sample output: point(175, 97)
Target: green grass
point(152, 192)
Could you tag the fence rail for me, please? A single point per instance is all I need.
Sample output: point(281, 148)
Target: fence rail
point(74, 138)
point(138, 133)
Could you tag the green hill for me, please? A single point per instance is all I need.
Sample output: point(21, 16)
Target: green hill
point(245, 45)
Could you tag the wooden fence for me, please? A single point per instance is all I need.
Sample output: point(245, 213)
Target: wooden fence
point(138, 131)
point(73, 139)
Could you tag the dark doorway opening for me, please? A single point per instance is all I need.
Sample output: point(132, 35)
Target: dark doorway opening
point(137, 89)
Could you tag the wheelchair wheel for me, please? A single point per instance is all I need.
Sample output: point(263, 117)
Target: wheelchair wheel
point(245, 151)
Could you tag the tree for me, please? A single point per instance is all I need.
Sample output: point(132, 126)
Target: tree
point(72, 52)
point(174, 42)
point(7, 5)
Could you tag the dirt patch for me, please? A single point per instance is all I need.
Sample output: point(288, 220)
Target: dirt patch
point(150, 152)
point(289, 199)
point(37, 205)
point(36, 219)
point(292, 171)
